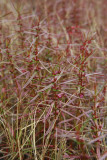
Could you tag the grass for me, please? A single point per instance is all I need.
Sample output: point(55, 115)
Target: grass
point(53, 99)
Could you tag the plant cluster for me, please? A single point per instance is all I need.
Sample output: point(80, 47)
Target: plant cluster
point(53, 89)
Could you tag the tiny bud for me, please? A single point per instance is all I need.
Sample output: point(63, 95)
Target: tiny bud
point(81, 95)
point(99, 141)
point(100, 127)
point(94, 136)
point(23, 70)
point(57, 111)
point(98, 106)
point(92, 127)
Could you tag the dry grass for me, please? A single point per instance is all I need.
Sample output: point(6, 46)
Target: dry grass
point(53, 99)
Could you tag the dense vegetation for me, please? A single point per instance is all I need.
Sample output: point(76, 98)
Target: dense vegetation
point(53, 88)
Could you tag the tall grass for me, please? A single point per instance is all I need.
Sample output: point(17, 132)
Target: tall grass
point(53, 99)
